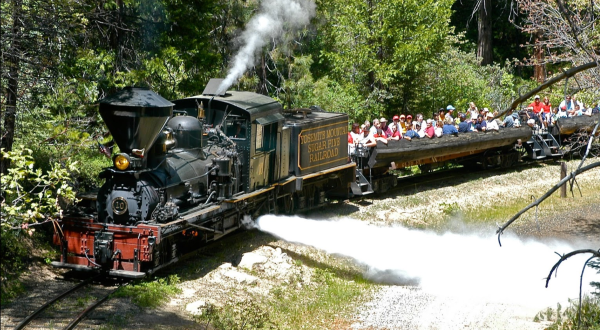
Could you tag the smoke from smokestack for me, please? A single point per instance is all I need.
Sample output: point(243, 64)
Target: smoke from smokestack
point(460, 265)
point(274, 18)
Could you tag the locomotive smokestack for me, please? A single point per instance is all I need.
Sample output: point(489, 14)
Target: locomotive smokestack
point(135, 117)
point(275, 17)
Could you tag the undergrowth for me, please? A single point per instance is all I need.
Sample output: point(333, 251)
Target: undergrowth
point(568, 318)
point(150, 293)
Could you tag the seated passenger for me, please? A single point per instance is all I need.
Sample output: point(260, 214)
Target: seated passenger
point(373, 128)
point(396, 122)
point(473, 111)
point(439, 131)
point(396, 135)
point(464, 126)
point(441, 114)
point(449, 127)
point(403, 123)
point(531, 123)
point(419, 130)
point(510, 120)
point(450, 112)
point(562, 112)
point(596, 108)
point(353, 137)
point(491, 124)
point(380, 135)
point(481, 124)
point(366, 137)
point(430, 130)
point(410, 133)
point(385, 128)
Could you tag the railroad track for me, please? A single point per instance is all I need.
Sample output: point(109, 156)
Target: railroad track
point(50, 315)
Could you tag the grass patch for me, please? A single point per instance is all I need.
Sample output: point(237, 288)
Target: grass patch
point(150, 293)
point(329, 298)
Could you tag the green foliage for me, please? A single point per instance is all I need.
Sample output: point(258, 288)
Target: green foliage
point(150, 293)
point(237, 315)
point(568, 318)
point(32, 195)
point(13, 252)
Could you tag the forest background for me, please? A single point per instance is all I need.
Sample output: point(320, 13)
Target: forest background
point(367, 58)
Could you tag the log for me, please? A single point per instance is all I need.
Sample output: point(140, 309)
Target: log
point(568, 126)
point(427, 149)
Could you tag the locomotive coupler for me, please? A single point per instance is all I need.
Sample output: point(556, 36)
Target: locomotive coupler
point(103, 246)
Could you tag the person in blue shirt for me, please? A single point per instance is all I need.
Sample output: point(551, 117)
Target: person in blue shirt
point(410, 133)
point(449, 127)
point(464, 126)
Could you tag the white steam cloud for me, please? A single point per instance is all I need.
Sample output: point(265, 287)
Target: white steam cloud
point(444, 264)
point(274, 18)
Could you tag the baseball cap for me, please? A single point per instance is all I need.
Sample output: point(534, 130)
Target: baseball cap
point(450, 107)
point(396, 117)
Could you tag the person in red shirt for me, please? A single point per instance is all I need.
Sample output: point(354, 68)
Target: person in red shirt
point(536, 105)
point(546, 111)
point(430, 130)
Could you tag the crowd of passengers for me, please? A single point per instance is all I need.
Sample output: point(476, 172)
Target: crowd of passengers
point(539, 115)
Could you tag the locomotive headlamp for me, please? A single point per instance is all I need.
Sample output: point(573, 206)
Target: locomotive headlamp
point(122, 162)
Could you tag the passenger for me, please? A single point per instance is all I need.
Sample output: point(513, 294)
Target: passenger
point(380, 135)
point(409, 121)
point(473, 124)
point(436, 118)
point(396, 135)
point(532, 115)
point(439, 131)
point(575, 112)
point(562, 112)
point(419, 130)
point(449, 127)
point(396, 122)
point(481, 125)
point(535, 106)
point(450, 112)
point(509, 120)
point(491, 124)
point(430, 130)
point(410, 133)
point(367, 125)
point(464, 126)
point(419, 120)
point(441, 114)
point(567, 103)
point(533, 124)
point(385, 128)
point(484, 113)
point(403, 123)
point(366, 137)
point(596, 108)
point(546, 111)
point(353, 138)
point(473, 111)
point(373, 128)
point(576, 102)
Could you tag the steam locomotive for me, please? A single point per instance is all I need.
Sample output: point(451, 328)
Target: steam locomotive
point(195, 169)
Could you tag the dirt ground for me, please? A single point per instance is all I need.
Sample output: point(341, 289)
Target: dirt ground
point(579, 226)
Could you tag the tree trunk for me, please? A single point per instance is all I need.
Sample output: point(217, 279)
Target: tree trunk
point(539, 70)
point(12, 62)
point(484, 28)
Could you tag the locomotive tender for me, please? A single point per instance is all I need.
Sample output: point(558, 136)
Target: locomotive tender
point(195, 169)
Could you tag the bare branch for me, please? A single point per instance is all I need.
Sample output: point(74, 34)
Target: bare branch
point(595, 253)
point(546, 195)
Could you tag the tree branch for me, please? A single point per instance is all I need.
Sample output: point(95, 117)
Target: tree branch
point(546, 195)
point(566, 74)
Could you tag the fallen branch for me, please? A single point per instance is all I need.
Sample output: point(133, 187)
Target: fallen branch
point(546, 195)
point(566, 74)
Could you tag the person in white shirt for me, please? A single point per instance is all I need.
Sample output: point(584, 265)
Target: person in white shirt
point(491, 124)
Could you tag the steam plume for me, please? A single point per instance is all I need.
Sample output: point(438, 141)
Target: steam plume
point(447, 264)
point(270, 23)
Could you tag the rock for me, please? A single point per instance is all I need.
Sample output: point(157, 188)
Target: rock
point(250, 259)
point(225, 266)
point(196, 307)
point(241, 277)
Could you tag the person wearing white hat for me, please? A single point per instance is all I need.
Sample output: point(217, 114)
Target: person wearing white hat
point(535, 106)
point(491, 124)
